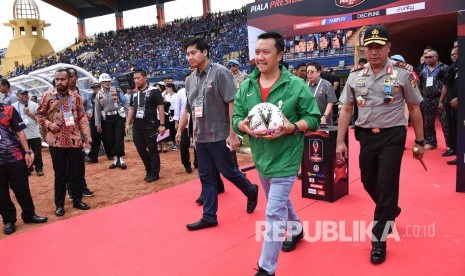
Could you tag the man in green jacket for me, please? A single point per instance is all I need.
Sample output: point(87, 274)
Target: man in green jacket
point(277, 158)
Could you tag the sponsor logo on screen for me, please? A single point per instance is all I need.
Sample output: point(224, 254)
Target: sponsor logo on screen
point(335, 20)
point(316, 186)
point(306, 25)
point(312, 191)
point(406, 8)
point(370, 14)
point(348, 3)
point(321, 193)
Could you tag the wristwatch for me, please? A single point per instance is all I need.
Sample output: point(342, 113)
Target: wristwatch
point(162, 124)
point(326, 116)
point(296, 130)
point(421, 142)
point(28, 152)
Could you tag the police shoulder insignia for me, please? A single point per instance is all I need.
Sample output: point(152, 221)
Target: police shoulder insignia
point(404, 65)
point(413, 81)
point(356, 69)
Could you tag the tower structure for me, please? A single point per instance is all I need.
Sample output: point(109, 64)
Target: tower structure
point(28, 42)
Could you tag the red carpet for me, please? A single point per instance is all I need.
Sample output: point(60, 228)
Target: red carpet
point(147, 236)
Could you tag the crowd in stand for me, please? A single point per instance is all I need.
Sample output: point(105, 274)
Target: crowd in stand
point(152, 48)
point(157, 49)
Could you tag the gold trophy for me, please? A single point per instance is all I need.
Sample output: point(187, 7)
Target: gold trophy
point(316, 156)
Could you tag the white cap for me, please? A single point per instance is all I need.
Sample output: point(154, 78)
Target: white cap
point(104, 77)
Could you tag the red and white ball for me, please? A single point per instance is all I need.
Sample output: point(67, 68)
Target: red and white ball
point(265, 119)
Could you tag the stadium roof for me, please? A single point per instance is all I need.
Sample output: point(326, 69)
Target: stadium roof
point(84, 9)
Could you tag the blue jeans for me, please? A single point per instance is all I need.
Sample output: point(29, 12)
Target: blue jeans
point(212, 156)
point(278, 209)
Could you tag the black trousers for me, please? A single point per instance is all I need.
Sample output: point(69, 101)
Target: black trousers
point(96, 142)
point(184, 145)
point(14, 175)
point(451, 114)
point(61, 159)
point(113, 131)
point(83, 179)
point(145, 141)
point(380, 160)
point(36, 147)
point(430, 111)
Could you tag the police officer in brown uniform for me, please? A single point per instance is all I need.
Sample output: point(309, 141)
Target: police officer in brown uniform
point(379, 89)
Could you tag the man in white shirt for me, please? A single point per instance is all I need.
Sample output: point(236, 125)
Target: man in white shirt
point(26, 110)
point(179, 105)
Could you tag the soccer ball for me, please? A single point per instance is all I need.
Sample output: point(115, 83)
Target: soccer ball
point(265, 119)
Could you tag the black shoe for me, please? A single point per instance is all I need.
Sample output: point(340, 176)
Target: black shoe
point(398, 210)
point(89, 160)
point(123, 166)
point(40, 172)
point(449, 152)
point(452, 162)
point(81, 206)
point(152, 178)
point(147, 175)
point(262, 272)
point(201, 224)
point(35, 219)
point(252, 201)
point(199, 200)
point(70, 196)
point(9, 229)
point(291, 242)
point(87, 193)
point(189, 169)
point(113, 165)
point(60, 211)
point(378, 255)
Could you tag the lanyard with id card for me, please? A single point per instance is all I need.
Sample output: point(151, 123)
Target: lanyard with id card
point(25, 119)
point(140, 112)
point(198, 106)
point(429, 77)
point(68, 115)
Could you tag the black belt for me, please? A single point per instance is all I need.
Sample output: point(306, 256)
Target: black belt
point(378, 130)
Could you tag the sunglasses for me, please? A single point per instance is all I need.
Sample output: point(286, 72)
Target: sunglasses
point(233, 65)
point(311, 72)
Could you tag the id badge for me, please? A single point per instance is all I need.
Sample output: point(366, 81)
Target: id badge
point(122, 112)
point(26, 121)
point(429, 82)
point(198, 111)
point(140, 112)
point(69, 120)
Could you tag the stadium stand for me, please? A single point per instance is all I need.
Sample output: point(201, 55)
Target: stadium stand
point(160, 50)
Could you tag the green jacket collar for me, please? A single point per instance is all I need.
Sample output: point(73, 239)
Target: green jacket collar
point(285, 76)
